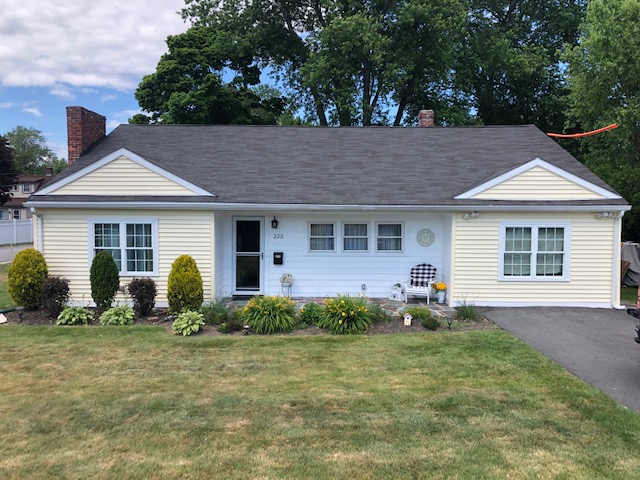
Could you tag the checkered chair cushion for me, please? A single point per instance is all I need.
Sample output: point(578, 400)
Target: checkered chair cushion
point(423, 275)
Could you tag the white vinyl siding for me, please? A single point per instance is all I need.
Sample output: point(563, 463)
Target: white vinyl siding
point(122, 176)
point(538, 183)
point(477, 251)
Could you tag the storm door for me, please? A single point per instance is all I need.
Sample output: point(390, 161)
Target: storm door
point(248, 255)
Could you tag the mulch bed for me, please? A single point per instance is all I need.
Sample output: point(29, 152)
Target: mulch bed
point(159, 316)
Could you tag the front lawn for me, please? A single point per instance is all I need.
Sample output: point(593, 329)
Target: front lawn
point(133, 402)
point(5, 299)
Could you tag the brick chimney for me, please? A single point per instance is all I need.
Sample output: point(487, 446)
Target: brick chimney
point(425, 118)
point(84, 128)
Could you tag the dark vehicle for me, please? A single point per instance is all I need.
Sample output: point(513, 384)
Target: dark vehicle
point(635, 313)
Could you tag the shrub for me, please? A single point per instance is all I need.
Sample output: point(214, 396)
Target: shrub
point(27, 275)
point(378, 314)
point(105, 280)
point(467, 311)
point(270, 314)
point(312, 313)
point(75, 316)
point(424, 316)
point(188, 322)
point(118, 315)
point(234, 324)
point(54, 295)
point(143, 291)
point(216, 312)
point(184, 288)
point(346, 315)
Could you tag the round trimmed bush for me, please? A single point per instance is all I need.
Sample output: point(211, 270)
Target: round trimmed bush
point(27, 274)
point(184, 286)
point(143, 291)
point(105, 280)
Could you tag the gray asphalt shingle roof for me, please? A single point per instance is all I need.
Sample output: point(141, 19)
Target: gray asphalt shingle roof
point(337, 166)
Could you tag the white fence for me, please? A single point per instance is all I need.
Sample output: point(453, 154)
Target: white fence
point(16, 231)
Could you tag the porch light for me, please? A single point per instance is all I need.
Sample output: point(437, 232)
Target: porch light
point(468, 215)
point(274, 222)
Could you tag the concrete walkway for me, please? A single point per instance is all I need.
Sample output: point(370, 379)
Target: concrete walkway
point(594, 344)
point(7, 253)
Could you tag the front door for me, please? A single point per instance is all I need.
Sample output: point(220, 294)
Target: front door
point(248, 255)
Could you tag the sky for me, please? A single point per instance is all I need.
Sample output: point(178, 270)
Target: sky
point(55, 54)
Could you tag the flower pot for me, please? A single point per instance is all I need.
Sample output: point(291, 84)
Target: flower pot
point(440, 294)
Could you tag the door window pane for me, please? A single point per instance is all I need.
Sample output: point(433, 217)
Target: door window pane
point(248, 236)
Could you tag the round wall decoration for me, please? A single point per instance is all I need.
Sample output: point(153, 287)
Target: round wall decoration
point(425, 237)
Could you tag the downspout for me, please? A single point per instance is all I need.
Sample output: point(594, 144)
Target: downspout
point(617, 257)
point(38, 240)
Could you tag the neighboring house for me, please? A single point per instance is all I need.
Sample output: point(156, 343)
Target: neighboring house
point(23, 188)
point(504, 213)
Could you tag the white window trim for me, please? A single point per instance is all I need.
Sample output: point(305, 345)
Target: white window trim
point(15, 187)
point(532, 277)
point(336, 237)
point(13, 214)
point(123, 222)
point(343, 237)
point(26, 188)
point(402, 237)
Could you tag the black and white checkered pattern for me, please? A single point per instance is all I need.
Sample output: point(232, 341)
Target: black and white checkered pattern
point(423, 275)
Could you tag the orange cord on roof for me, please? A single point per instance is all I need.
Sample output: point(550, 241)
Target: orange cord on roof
point(585, 134)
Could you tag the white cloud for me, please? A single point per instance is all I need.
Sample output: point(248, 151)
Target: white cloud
point(62, 92)
point(84, 43)
point(7, 104)
point(33, 111)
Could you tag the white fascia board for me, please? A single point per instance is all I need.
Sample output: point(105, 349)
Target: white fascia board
point(537, 162)
point(134, 158)
point(315, 208)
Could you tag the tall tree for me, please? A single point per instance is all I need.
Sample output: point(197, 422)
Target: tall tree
point(605, 88)
point(31, 154)
point(346, 62)
point(510, 67)
point(7, 173)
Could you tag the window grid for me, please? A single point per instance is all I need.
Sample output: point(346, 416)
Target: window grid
point(322, 237)
point(389, 237)
point(133, 241)
point(355, 237)
point(523, 244)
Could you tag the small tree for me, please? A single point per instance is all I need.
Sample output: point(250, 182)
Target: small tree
point(55, 295)
point(143, 291)
point(27, 275)
point(184, 288)
point(7, 173)
point(105, 280)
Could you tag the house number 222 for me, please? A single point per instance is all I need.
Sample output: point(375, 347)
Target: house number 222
point(278, 235)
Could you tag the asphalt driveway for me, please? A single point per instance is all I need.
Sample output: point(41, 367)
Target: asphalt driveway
point(594, 344)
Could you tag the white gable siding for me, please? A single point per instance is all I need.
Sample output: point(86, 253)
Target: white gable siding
point(476, 257)
point(322, 274)
point(66, 246)
point(538, 184)
point(122, 177)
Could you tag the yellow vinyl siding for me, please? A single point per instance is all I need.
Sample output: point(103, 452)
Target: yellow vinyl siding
point(122, 177)
point(538, 184)
point(66, 246)
point(476, 261)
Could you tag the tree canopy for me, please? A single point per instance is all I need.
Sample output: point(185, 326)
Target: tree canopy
point(7, 172)
point(31, 154)
point(605, 88)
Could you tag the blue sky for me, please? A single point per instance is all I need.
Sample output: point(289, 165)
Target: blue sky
point(80, 52)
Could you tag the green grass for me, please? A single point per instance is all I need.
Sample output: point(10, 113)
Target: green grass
point(134, 402)
point(629, 295)
point(5, 299)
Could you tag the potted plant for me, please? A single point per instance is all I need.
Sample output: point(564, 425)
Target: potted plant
point(441, 290)
point(286, 279)
point(396, 292)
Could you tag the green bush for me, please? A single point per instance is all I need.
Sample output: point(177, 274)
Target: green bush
point(27, 275)
point(143, 291)
point(118, 315)
point(75, 316)
point(270, 314)
point(467, 311)
point(234, 324)
point(188, 323)
point(346, 315)
point(216, 312)
point(378, 314)
point(54, 295)
point(311, 313)
point(105, 280)
point(184, 288)
point(424, 316)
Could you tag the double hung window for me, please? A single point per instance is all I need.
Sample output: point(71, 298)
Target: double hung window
point(322, 237)
point(534, 252)
point(132, 244)
point(355, 237)
point(389, 237)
